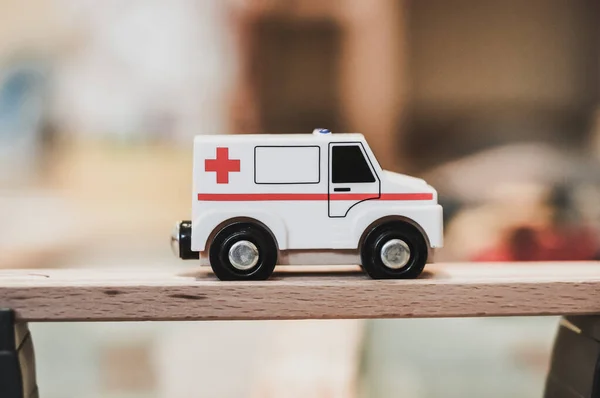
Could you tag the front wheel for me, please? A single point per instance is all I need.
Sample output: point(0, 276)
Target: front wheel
point(243, 251)
point(394, 250)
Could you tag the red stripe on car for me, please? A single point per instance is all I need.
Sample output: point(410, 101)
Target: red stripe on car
point(250, 197)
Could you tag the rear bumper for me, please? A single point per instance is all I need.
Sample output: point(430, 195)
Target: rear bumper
point(181, 241)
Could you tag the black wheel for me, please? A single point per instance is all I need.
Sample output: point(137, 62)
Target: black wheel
point(394, 250)
point(243, 251)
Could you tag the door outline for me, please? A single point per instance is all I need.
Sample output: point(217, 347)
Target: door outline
point(329, 164)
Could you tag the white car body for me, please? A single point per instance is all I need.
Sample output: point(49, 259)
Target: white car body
point(310, 195)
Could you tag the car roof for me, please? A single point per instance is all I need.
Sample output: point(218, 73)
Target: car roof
point(262, 138)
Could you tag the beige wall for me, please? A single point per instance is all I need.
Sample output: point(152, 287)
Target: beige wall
point(32, 25)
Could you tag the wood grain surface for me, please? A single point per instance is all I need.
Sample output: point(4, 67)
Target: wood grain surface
point(444, 290)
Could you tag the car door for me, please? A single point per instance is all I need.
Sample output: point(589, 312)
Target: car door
point(352, 177)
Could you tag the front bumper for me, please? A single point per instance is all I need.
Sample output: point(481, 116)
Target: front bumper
point(181, 241)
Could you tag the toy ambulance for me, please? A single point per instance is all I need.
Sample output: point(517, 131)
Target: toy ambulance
point(258, 200)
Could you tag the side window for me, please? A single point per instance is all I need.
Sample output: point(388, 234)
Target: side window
point(348, 165)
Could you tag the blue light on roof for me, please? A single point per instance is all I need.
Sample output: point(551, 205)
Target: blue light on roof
point(321, 131)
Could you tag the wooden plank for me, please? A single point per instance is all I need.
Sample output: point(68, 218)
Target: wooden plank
point(444, 290)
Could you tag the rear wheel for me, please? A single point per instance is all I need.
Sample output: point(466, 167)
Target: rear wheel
point(394, 250)
point(243, 251)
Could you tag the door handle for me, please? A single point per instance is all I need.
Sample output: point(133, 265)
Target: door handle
point(341, 189)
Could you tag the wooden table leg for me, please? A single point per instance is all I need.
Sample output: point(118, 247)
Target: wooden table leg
point(575, 364)
point(17, 360)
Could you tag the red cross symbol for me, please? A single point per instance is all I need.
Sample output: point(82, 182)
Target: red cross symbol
point(222, 165)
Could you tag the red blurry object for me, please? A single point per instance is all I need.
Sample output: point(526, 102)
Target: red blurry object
point(528, 244)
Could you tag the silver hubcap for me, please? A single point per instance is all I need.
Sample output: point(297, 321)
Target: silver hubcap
point(243, 255)
point(395, 253)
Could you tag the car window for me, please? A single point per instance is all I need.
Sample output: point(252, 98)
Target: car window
point(349, 165)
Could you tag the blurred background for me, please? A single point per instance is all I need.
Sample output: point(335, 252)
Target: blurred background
point(494, 102)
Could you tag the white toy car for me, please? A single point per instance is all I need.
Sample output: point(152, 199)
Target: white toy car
point(259, 199)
